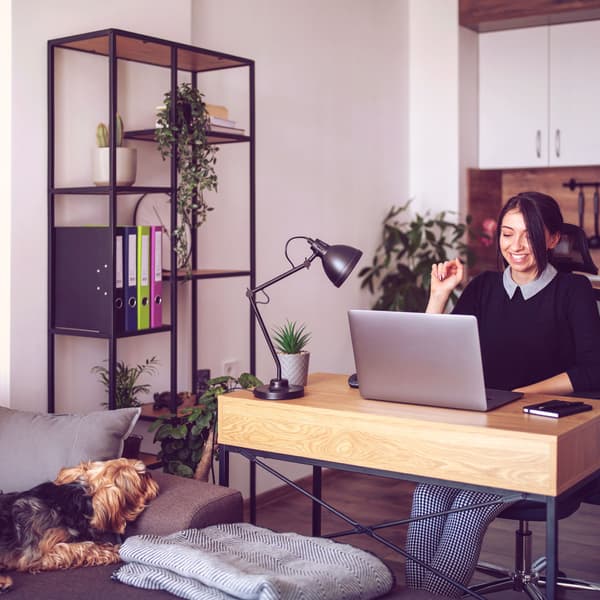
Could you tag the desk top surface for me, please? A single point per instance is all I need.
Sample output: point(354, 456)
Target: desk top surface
point(503, 448)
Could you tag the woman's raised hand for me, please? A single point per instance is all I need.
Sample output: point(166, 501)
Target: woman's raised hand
point(445, 277)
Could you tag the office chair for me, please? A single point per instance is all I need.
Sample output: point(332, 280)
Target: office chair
point(527, 574)
point(571, 254)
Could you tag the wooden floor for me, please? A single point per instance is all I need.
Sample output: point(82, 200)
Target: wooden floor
point(370, 499)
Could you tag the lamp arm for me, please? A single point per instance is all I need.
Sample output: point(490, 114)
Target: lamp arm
point(251, 297)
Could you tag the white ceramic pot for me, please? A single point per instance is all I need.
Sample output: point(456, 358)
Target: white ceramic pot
point(126, 166)
point(294, 367)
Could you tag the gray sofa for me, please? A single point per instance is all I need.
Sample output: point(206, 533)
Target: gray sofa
point(34, 446)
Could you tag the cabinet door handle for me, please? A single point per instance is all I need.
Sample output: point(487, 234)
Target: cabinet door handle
point(538, 143)
point(557, 143)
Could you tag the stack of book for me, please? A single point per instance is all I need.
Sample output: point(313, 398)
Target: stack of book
point(218, 118)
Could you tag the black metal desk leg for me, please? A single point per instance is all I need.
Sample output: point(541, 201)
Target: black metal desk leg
point(252, 492)
point(551, 547)
point(223, 466)
point(316, 507)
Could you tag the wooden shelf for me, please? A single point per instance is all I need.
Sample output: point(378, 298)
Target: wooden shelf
point(149, 413)
point(152, 51)
point(149, 135)
point(183, 275)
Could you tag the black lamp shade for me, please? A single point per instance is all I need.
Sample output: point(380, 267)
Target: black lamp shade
point(338, 260)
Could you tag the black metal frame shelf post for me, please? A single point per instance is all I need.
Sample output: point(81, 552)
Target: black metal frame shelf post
point(118, 45)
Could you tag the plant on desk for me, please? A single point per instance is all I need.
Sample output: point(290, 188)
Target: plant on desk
point(290, 340)
point(187, 439)
point(400, 273)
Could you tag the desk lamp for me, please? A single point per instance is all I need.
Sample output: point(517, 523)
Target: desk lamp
point(338, 262)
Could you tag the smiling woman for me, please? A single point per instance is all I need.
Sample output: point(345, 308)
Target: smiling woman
point(539, 332)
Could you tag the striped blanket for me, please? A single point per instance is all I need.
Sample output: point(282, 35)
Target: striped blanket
point(244, 561)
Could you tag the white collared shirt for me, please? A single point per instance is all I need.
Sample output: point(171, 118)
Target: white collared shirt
point(533, 287)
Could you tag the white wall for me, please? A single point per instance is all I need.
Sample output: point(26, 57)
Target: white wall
point(434, 97)
point(28, 270)
point(331, 118)
point(5, 195)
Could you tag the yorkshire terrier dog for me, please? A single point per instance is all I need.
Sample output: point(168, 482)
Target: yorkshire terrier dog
point(75, 521)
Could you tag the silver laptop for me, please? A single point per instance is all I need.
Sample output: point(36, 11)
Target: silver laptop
point(420, 358)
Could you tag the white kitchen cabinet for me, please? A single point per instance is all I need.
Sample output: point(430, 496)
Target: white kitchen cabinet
point(574, 94)
point(513, 98)
point(538, 96)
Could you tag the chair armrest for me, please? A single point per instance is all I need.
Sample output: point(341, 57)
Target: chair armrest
point(186, 503)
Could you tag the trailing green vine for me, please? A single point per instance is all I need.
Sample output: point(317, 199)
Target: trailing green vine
point(196, 160)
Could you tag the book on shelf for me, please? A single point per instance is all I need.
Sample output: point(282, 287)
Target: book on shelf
point(221, 122)
point(218, 111)
point(219, 129)
point(218, 115)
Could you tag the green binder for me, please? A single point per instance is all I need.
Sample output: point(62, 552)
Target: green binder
point(143, 276)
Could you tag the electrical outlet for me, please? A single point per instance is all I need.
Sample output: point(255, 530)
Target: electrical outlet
point(230, 368)
point(201, 381)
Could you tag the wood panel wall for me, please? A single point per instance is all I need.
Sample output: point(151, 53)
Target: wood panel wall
point(490, 15)
point(489, 189)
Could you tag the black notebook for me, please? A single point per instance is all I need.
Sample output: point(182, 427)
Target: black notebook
point(556, 408)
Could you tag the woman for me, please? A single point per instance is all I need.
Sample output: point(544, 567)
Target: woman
point(539, 333)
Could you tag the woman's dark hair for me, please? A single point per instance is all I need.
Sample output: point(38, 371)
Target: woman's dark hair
point(539, 211)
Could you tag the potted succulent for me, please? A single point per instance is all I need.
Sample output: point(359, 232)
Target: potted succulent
point(400, 273)
point(290, 339)
point(187, 439)
point(127, 389)
point(196, 158)
point(126, 157)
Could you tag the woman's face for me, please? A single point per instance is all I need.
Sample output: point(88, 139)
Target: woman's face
point(515, 248)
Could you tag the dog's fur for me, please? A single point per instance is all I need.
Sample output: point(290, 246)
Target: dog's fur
point(75, 521)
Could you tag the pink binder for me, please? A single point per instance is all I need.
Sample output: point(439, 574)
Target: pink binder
point(155, 276)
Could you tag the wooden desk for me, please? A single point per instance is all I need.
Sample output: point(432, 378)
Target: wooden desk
point(506, 449)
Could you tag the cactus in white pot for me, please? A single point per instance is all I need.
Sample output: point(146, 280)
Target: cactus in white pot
point(126, 157)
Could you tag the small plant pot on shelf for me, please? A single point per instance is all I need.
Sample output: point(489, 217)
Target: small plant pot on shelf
point(126, 166)
point(294, 367)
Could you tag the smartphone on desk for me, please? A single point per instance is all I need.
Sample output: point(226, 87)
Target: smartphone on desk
point(556, 408)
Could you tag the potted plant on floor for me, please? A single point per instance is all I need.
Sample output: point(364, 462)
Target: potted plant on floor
point(400, 272)
point(126, 157)
point(187, 135)
point(290, 339)
point(187, 439)
point(127, 390)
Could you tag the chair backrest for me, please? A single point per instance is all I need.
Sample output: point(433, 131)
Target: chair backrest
point(572, 252)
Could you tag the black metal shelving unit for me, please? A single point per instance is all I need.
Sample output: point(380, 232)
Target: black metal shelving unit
point(118, 45)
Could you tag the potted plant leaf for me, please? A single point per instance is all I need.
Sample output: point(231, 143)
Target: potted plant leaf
point(290, 339)
point(126, 157)
point(127, 390)
point(187, 136)
point(400, 273)
point(187, 439)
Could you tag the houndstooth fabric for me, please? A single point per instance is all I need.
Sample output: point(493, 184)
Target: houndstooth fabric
point(449, 543)
point(244, 561)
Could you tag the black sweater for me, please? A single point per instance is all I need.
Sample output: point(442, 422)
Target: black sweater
point(525, 341)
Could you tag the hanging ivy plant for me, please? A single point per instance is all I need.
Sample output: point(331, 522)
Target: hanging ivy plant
point(195, 161)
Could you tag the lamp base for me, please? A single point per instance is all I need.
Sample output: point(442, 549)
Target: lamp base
point(279, 389)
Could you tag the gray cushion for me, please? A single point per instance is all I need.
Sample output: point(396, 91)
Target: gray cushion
point(35, 446)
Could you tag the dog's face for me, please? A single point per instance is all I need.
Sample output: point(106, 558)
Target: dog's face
point(120, 490)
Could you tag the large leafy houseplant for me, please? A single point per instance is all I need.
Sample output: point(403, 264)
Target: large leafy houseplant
point(187, 137)
point(400, 273)
point(187, 439)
